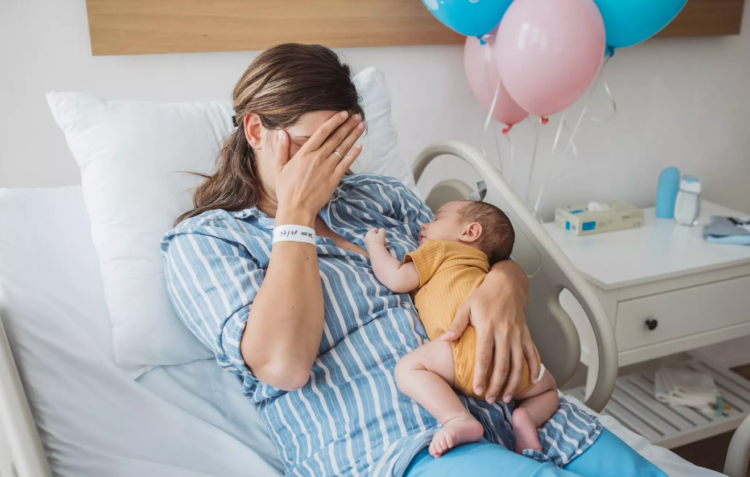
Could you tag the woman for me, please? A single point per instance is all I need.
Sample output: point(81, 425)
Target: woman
point(314, 336)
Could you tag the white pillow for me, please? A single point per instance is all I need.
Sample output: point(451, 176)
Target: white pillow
point(380, 153)
point(132, 157)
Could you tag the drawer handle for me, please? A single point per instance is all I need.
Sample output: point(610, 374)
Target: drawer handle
point(651, 324)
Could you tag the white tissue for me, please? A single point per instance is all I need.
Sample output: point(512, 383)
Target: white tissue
point(683, 387)
point(597, 207)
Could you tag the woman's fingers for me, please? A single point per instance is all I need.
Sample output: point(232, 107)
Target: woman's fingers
point(282, 149)
point(499, 367)
point(516, 369)
point(458, 325)
point(483, 360)
point(347, 161)
point(334, 140)
point(325, 130)
point(529, 352)
point(349, 140)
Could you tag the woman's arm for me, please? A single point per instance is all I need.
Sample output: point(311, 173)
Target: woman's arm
point(285, 325)
point(396, 276)
point(496, 310)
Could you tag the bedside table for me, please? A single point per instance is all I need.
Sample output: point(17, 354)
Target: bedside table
point(666, 291)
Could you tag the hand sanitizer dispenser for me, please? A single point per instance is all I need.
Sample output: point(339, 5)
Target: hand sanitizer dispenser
point(666, 192)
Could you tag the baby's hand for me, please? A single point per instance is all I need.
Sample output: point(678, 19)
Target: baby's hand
point(375, 236)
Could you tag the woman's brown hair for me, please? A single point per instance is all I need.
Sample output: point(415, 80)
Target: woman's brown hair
point(280, 85)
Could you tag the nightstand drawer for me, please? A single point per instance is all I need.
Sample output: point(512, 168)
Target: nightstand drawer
point(668, 316)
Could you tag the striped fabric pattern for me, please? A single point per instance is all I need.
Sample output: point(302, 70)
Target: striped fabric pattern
point(350, 418)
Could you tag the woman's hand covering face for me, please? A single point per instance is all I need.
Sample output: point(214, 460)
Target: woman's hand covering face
point(306, 181)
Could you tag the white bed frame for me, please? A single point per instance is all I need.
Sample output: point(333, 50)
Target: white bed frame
point(549, 270)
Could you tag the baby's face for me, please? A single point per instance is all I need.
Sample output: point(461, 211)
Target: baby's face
point(446, 225)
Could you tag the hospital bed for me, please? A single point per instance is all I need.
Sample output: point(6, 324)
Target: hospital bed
point(66, 409)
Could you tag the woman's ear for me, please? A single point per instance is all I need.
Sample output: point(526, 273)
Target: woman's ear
point(471, 232)
point(253, 127)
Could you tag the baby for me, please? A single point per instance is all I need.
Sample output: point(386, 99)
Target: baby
point(454, 256)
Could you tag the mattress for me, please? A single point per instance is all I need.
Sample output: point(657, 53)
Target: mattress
point(93, 418)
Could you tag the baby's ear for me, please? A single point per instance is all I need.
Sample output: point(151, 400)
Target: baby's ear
point(471, 232)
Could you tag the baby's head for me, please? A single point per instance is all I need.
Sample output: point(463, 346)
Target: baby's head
point(478, 224)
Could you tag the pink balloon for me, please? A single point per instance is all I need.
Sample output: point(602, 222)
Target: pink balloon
point(549, 51)
point(481, 72)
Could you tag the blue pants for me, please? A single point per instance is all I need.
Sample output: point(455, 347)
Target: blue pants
point(607, 456)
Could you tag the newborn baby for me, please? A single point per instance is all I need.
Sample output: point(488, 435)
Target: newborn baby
point(454, 256)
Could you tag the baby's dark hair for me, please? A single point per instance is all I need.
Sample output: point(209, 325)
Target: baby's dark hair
point(497, 232)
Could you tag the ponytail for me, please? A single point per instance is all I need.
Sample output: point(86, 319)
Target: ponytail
point(235, 185)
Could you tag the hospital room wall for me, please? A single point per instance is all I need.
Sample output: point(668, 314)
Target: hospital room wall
point(681, 102)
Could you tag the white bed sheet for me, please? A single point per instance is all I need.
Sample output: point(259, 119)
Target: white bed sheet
point(185, 420)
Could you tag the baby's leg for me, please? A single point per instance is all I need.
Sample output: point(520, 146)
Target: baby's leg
point(537, 406)
point(427, 375)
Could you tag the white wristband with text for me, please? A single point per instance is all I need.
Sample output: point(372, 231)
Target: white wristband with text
point(293, 233)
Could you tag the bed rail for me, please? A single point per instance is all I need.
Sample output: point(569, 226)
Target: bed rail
point(738, 455)
point(25, 456)
point(552, 329)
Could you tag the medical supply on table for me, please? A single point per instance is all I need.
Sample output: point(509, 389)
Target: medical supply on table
point(666, 192)
point(687, 207)
point(598, 217)
point(681, 386)
point(727, 230)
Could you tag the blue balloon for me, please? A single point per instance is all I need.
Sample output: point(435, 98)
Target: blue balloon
point(469, 17)
point(632, 21)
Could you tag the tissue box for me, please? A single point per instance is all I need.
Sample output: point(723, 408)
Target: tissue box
point(600, 217)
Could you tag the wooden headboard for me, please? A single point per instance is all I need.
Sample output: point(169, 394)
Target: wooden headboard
point(129, 27)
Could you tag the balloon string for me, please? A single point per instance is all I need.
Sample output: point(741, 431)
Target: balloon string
point(573, 144)
point(497, 150)
point(488, 119)
point(578, 124)
point(589, 94)
point(492, 108)
point(608, 56)
point(612, 102)
point(557, 165)
point(537, 129)
point(512, 171)
point(540, 195)
point(557, 135)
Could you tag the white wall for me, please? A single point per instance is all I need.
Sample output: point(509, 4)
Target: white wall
point(683, 102)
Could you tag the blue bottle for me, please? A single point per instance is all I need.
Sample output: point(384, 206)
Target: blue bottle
point(666, 192)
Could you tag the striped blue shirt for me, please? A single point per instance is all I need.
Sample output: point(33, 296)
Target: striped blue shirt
point(350, 418)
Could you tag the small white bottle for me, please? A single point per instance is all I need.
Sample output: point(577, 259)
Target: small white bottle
point(687, 208)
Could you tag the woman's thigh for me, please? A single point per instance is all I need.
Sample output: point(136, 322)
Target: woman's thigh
point(611, 456)
point(481, 459)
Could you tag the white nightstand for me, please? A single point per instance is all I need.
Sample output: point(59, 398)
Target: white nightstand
point(666, 290)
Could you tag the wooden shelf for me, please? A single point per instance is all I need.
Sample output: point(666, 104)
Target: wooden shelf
point(129, 27)
point(634, 405)
point(707, 18)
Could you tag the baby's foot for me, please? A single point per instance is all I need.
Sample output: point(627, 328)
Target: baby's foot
point(524, 429)
point(457, 431)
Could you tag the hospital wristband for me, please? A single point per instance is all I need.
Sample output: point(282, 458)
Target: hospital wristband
point(293, 233)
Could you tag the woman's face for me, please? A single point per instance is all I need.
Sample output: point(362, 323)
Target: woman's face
point(298, 133)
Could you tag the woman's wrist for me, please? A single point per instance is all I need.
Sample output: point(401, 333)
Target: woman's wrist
point(510, 277)
point(294, 216)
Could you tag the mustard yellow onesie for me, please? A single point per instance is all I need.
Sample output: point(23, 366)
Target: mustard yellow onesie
point(448, 273)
